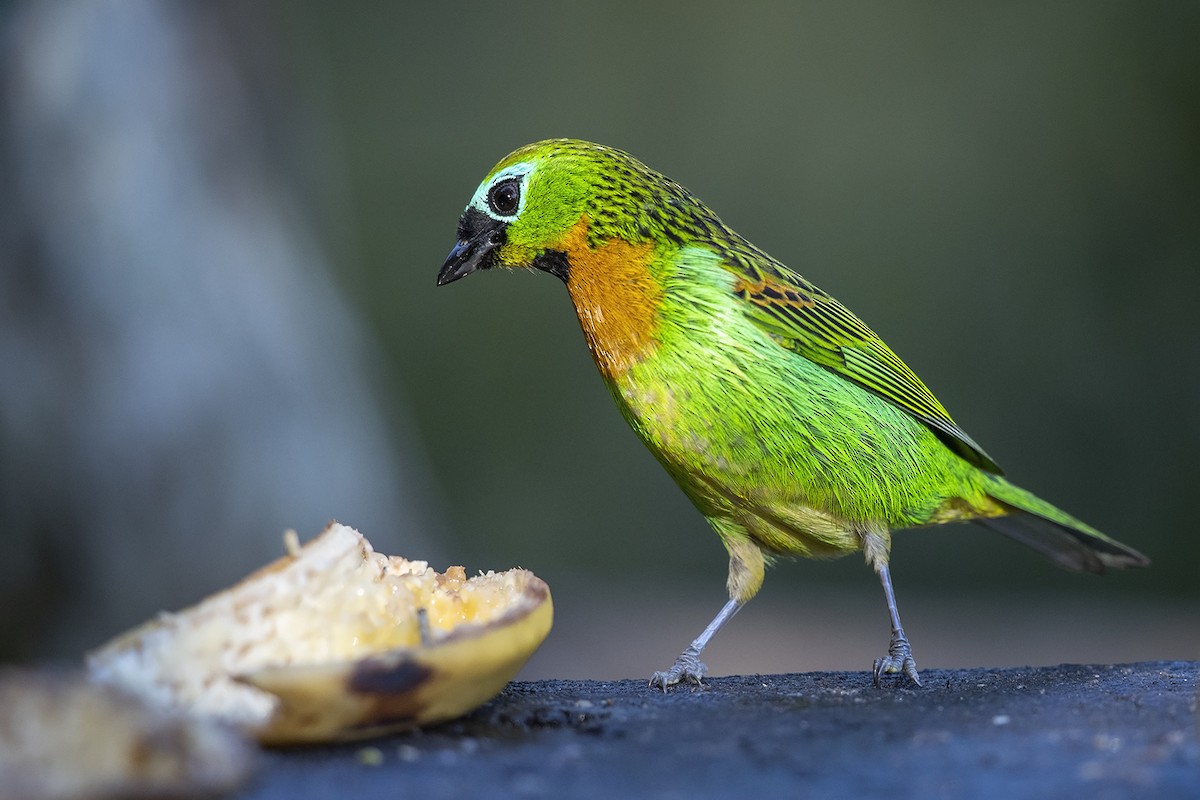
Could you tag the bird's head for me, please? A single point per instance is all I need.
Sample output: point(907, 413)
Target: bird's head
point(550, 198)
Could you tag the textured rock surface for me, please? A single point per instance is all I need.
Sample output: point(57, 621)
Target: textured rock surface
point(1052, 732)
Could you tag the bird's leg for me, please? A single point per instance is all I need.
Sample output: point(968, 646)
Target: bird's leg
point(688, 667)
point(746, 568)
point(899, 658)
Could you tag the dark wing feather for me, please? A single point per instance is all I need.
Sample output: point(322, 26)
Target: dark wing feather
point(810, 322)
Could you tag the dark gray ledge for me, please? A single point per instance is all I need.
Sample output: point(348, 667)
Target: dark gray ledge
point(1048, 732)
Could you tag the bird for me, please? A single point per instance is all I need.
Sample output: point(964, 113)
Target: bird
point(793, 428)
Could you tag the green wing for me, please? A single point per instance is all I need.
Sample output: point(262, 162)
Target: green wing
point(810, 322)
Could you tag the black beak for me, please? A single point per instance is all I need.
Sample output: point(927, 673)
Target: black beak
point(478, 237)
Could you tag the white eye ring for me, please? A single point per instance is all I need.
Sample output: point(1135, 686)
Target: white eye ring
point(505, 197)
point(518, 171)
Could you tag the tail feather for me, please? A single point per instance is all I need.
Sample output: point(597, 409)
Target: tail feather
point(1055, 534)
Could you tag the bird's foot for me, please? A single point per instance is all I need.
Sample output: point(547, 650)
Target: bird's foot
point(899, 659)
point(688, 668)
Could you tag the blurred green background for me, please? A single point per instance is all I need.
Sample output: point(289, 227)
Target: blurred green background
point(1009, 194)
point(1010, 197)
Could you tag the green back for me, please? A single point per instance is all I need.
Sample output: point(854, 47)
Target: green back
point(624, 198)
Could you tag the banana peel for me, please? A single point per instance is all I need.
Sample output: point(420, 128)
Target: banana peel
point(335, 642)
point(403, 689)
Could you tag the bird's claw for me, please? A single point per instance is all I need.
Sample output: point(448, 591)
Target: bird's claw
point(688, 668)
point(899, 659)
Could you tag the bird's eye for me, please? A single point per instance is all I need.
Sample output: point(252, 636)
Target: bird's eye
point(504, 197)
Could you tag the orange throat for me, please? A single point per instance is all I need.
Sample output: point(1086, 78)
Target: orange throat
point(615, 298)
